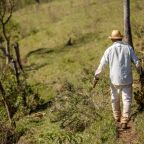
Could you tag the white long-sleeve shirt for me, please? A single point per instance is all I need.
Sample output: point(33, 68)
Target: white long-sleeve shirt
point(119, 57)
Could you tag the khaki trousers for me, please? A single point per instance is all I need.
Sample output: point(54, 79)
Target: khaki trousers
point(126, 92)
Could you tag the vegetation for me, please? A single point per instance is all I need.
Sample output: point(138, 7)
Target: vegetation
point(61, 43)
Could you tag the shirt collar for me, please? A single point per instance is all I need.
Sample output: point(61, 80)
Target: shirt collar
point(120, 42)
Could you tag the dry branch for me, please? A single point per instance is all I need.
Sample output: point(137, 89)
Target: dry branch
point(6, 10)
point(12, 61)
point(17, 51)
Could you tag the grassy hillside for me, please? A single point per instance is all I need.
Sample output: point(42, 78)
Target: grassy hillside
point(63, 73)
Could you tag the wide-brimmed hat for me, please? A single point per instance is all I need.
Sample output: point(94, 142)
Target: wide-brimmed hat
point(116, 35)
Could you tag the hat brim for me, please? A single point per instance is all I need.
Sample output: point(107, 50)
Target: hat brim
point(110, 37)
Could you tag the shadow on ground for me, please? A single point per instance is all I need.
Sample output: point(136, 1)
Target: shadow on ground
point(82, 40)
point(41, 107)
point(34, 66)
point(40, 51)
point(44, 52)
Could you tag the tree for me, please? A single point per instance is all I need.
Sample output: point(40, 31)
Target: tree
point(127, 24)
point(6, 10)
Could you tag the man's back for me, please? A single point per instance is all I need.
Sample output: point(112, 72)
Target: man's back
point(119, 59)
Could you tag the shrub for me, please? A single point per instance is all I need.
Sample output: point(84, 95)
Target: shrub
point(73, 109)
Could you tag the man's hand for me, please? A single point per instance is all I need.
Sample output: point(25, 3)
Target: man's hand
point(96, 79)
point(139, 68)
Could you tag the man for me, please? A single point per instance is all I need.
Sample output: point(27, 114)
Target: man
point(119, 57)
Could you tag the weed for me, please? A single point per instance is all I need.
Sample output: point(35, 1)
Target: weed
point(43, 34)
point(73, 109)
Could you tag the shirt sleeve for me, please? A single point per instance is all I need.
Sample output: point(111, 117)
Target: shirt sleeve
point(135, 60)
point(103, 62)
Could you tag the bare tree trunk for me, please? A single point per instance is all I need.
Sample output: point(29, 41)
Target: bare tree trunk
point(13, 63)
point(6, 10)
point(127, 24)
point(7, 43)
point(17, 51)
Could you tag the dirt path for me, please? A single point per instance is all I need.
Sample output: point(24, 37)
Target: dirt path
point(127, 136)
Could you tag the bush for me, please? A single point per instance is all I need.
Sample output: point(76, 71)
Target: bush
point(73, 109)
point(139, 94)
point(139, 97)
point(62, 138)
point(5, 134)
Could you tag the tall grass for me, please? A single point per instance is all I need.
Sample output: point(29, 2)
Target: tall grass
point(44, 32)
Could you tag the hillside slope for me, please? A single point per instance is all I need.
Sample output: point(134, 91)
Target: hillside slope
point(63, 72)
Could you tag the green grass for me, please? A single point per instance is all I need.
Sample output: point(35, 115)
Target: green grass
point(43, 33)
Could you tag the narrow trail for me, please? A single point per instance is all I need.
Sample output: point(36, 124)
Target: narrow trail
point(127, 136)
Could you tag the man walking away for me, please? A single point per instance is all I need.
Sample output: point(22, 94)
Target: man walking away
point(119, 57)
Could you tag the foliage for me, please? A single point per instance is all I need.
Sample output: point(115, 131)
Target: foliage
point(5, 133)
point(43, 32)
point(10, 86)
point(62, 137)
point(73, 109)
point(139, 94)
point(21, 97)
point(16, 92)
point(139, 97)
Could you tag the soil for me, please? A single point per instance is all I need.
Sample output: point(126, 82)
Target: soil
point(127, 136)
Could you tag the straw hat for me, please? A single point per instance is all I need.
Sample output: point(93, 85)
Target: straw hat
point(116, 35)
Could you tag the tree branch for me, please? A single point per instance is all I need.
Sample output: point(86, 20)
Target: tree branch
point(10, 12)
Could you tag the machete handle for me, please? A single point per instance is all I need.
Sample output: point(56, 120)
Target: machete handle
point(95, 81)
